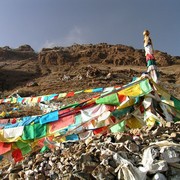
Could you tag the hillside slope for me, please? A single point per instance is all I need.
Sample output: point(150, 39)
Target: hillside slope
point(77, 67)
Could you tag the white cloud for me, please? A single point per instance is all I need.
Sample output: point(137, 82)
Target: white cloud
point(75, 35)
point(50, 44)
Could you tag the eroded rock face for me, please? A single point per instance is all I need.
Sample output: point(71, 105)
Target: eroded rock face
point(20, 53)
point(100, 53)
point(163, 59)
point(140, 154)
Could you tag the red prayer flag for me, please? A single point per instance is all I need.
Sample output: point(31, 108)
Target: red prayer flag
point(100, 130)
point(70, 94)
point(13, 121)
point(17, 155)
point(4, 147)
point(121, 98)
point(61, 123)
point(39, 99)
point(141, 108)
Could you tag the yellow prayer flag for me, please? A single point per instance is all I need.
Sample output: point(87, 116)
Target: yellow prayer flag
point(162, 92)
point(134, 90)
point(88, 90)
point(61, 95)
point(133, 123)
point(130, 102)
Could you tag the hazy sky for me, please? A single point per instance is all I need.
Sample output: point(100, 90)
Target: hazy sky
point(48, 23)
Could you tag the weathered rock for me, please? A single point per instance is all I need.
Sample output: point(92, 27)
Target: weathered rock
point(159, 176)
point(171, 155)
point(25, 47)
point(13, 176)
point(39, 176)
point(21, 174)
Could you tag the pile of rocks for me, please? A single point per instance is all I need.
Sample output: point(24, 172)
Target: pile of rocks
point(147, 153)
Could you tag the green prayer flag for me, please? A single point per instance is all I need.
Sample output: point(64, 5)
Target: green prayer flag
point(40, 130)
point(26, 150)
point(28, 132)
point(34, 131)
point(44, 148)
point(145, 86)
point(176, 102)
point(111, 99)
point(21, 144)
point(120, 127)
point(176, 119)
point(118, 113)
point(77, 92)
point(70, 106)
point(24, 147)
point(78, 119)
point(151, 62)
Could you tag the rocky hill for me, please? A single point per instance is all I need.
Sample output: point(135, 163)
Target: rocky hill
point(59, 69)
point(100, 53)
point(78, 67)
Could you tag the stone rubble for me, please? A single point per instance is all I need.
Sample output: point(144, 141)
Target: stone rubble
point(147, 153)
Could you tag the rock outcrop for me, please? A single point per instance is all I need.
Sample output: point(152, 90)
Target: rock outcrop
point(100, 53)
point(20, 53)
